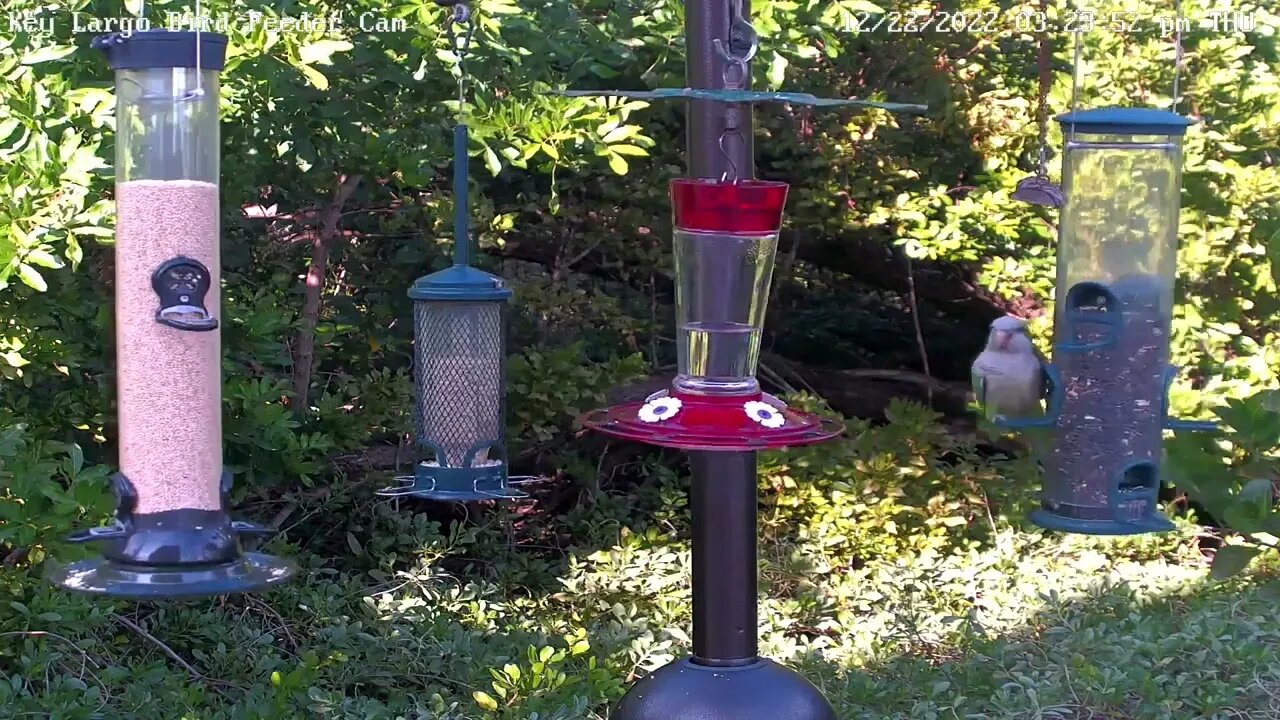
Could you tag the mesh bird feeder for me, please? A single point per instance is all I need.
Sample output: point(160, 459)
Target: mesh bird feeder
point(458, 367)
point(459, 349)
point(1116, 265)
point(172, 536)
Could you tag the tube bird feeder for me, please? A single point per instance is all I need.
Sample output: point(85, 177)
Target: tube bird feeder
point(172, 536)
point(1109, 379)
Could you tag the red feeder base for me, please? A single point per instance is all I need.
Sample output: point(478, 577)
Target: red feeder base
point(739, 423)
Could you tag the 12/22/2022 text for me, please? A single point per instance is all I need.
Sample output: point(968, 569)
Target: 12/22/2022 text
point(995, 22)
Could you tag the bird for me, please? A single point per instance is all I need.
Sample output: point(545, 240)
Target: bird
point(1008, 376)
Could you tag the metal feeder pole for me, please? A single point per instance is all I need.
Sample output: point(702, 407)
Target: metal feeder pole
point(725, 679)
point(724, 483)
point(723, 500)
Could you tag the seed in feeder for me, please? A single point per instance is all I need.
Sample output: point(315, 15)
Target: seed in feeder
point(1107, 418)
point(168, 381)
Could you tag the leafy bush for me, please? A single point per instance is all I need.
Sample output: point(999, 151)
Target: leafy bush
point(882, 556)
point(1233, 476)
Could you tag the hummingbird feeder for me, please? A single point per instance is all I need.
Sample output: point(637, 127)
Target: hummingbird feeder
point(725, 240)
point(1108, 384)
point(172, 536)
point(458, 358)
point(725, 237)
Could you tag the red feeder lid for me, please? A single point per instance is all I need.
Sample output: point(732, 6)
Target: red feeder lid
point(745, 206)
point(729, 424)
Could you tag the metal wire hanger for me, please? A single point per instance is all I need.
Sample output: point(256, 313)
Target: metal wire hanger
point(1038, 189)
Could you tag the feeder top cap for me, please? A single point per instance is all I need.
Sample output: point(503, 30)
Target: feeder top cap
point(460, 283)
point(1126, 121)
point(748, 207)
point(163, 49)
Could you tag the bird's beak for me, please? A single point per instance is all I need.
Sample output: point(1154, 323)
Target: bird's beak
point(1002, 339)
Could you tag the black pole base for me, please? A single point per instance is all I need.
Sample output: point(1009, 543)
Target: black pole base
point(763, 690)
point(249, 572)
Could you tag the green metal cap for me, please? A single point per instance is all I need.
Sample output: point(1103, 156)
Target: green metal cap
point(1126, 121)
point(460, 283)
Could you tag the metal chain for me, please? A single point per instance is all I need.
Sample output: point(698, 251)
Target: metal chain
point(199, 75)
point(1075, 80)
point(459, 42)
point(1177, 52)
point(1043, 59)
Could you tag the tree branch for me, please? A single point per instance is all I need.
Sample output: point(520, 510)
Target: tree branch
point(322, 239)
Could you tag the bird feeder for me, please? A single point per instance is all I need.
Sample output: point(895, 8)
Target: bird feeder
point(1116, 265)
point(172, 536)
point(459, 378)
point(725, 240)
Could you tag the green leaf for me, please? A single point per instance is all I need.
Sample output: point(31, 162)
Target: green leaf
point(618, 164)
point(1230, 560)
point(777, 70)
point(32, 278)
point(855, 6)
point(314, 77)
point(1273, 254)
point(484, 700)
point(619, 134)
point(354, 544)
point(47, 54)
point(1257, 490)
point(1243, 516)
point(43, 259)
point(551, 151)
point(93, 230)
point(77, 459)
point(321, 51)
point(628, 150)
point(491, 160)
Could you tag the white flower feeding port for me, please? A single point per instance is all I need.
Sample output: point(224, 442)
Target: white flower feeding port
point(764, 414)
point(659, 409)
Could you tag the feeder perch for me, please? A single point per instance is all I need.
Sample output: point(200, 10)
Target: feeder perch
point(172, 536)
point(725, 239)
point(459, 378)
point(1108, 384)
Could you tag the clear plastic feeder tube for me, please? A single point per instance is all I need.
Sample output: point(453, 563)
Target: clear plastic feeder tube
point(1116, 268)
point(169, 381)
point(725, 240)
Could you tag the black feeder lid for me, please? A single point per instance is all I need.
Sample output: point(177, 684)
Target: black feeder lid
point(163, 49)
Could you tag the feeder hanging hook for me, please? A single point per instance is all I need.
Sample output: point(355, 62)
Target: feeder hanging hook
point(459, 43)
point(731, 174)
